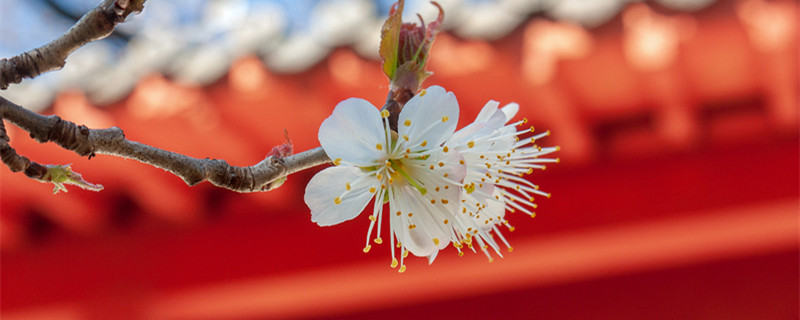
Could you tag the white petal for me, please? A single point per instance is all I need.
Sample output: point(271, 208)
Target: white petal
point(431, 117)
point(328, 184)
point(510, 110)
point(420, 240)
point(432, 257)
point(487, 111)
point(353, 132)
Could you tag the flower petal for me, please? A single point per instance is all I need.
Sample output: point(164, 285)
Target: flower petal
point(430, 116)
point(510, 110)
point(353, 133)
point(422, 234)
point(331, 184)
point(487, 111)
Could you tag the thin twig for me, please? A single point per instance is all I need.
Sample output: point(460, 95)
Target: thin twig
point(94, 25)
point(112, 141)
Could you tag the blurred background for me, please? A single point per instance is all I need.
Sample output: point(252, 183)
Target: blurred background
point(677, 195)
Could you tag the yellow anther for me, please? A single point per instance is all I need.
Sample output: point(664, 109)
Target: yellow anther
point(347, 186)
point(424, 143)
point(491, 260)
point(445, 174)
point(405, 253)
point(366, 249)
point(482, 157)
point(411, 226)
point(402, 269)
point(399, 244)
point(524, 120)
point(558, 148)
point(472, 144)
point(431, 167)
point(445, 149)
point(558, 160)
point(441, 164)
point(547, 132)
point(394, 263)
point(488, 165)
point(337, 161)
point(444, 201)
point(436, 241)
point(405, 137)
point(446, 221)
point(391, 180)
point(460, 161)
point(338, 200)
point(461, 253)
point(445, 118)
point(378, 240)
point(408, 150)
point(372, 190)
point(433, 201)
point(446, 187)
point(379, 146)
point(548, 196)
point(379, 176)
point(410, 214)
point(398, 213)
point(423, 92)
point(532, 129)
point(510, 249)
point(511, 229)
point(372, 218)
point(385, 113)
point(530, 170)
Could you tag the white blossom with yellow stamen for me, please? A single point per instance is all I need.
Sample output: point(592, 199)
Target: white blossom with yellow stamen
point(496, 160)
point(411, 169)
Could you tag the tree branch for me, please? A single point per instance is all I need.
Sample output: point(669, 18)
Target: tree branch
point(96, 24)
point(16, 162)
point(263, 176)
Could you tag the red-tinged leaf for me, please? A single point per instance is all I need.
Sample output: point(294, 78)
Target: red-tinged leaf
point(282, 150)
point(390, 39)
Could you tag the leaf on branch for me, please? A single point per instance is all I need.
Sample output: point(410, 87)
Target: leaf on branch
point(59, 175)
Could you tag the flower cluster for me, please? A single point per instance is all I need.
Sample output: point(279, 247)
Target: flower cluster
point(442, 186)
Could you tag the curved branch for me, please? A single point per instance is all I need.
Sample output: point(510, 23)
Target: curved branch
point(96, 24)
point(263, 176)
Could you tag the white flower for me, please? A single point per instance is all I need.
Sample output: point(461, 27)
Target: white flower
point(496, 160)
point(411, 169)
